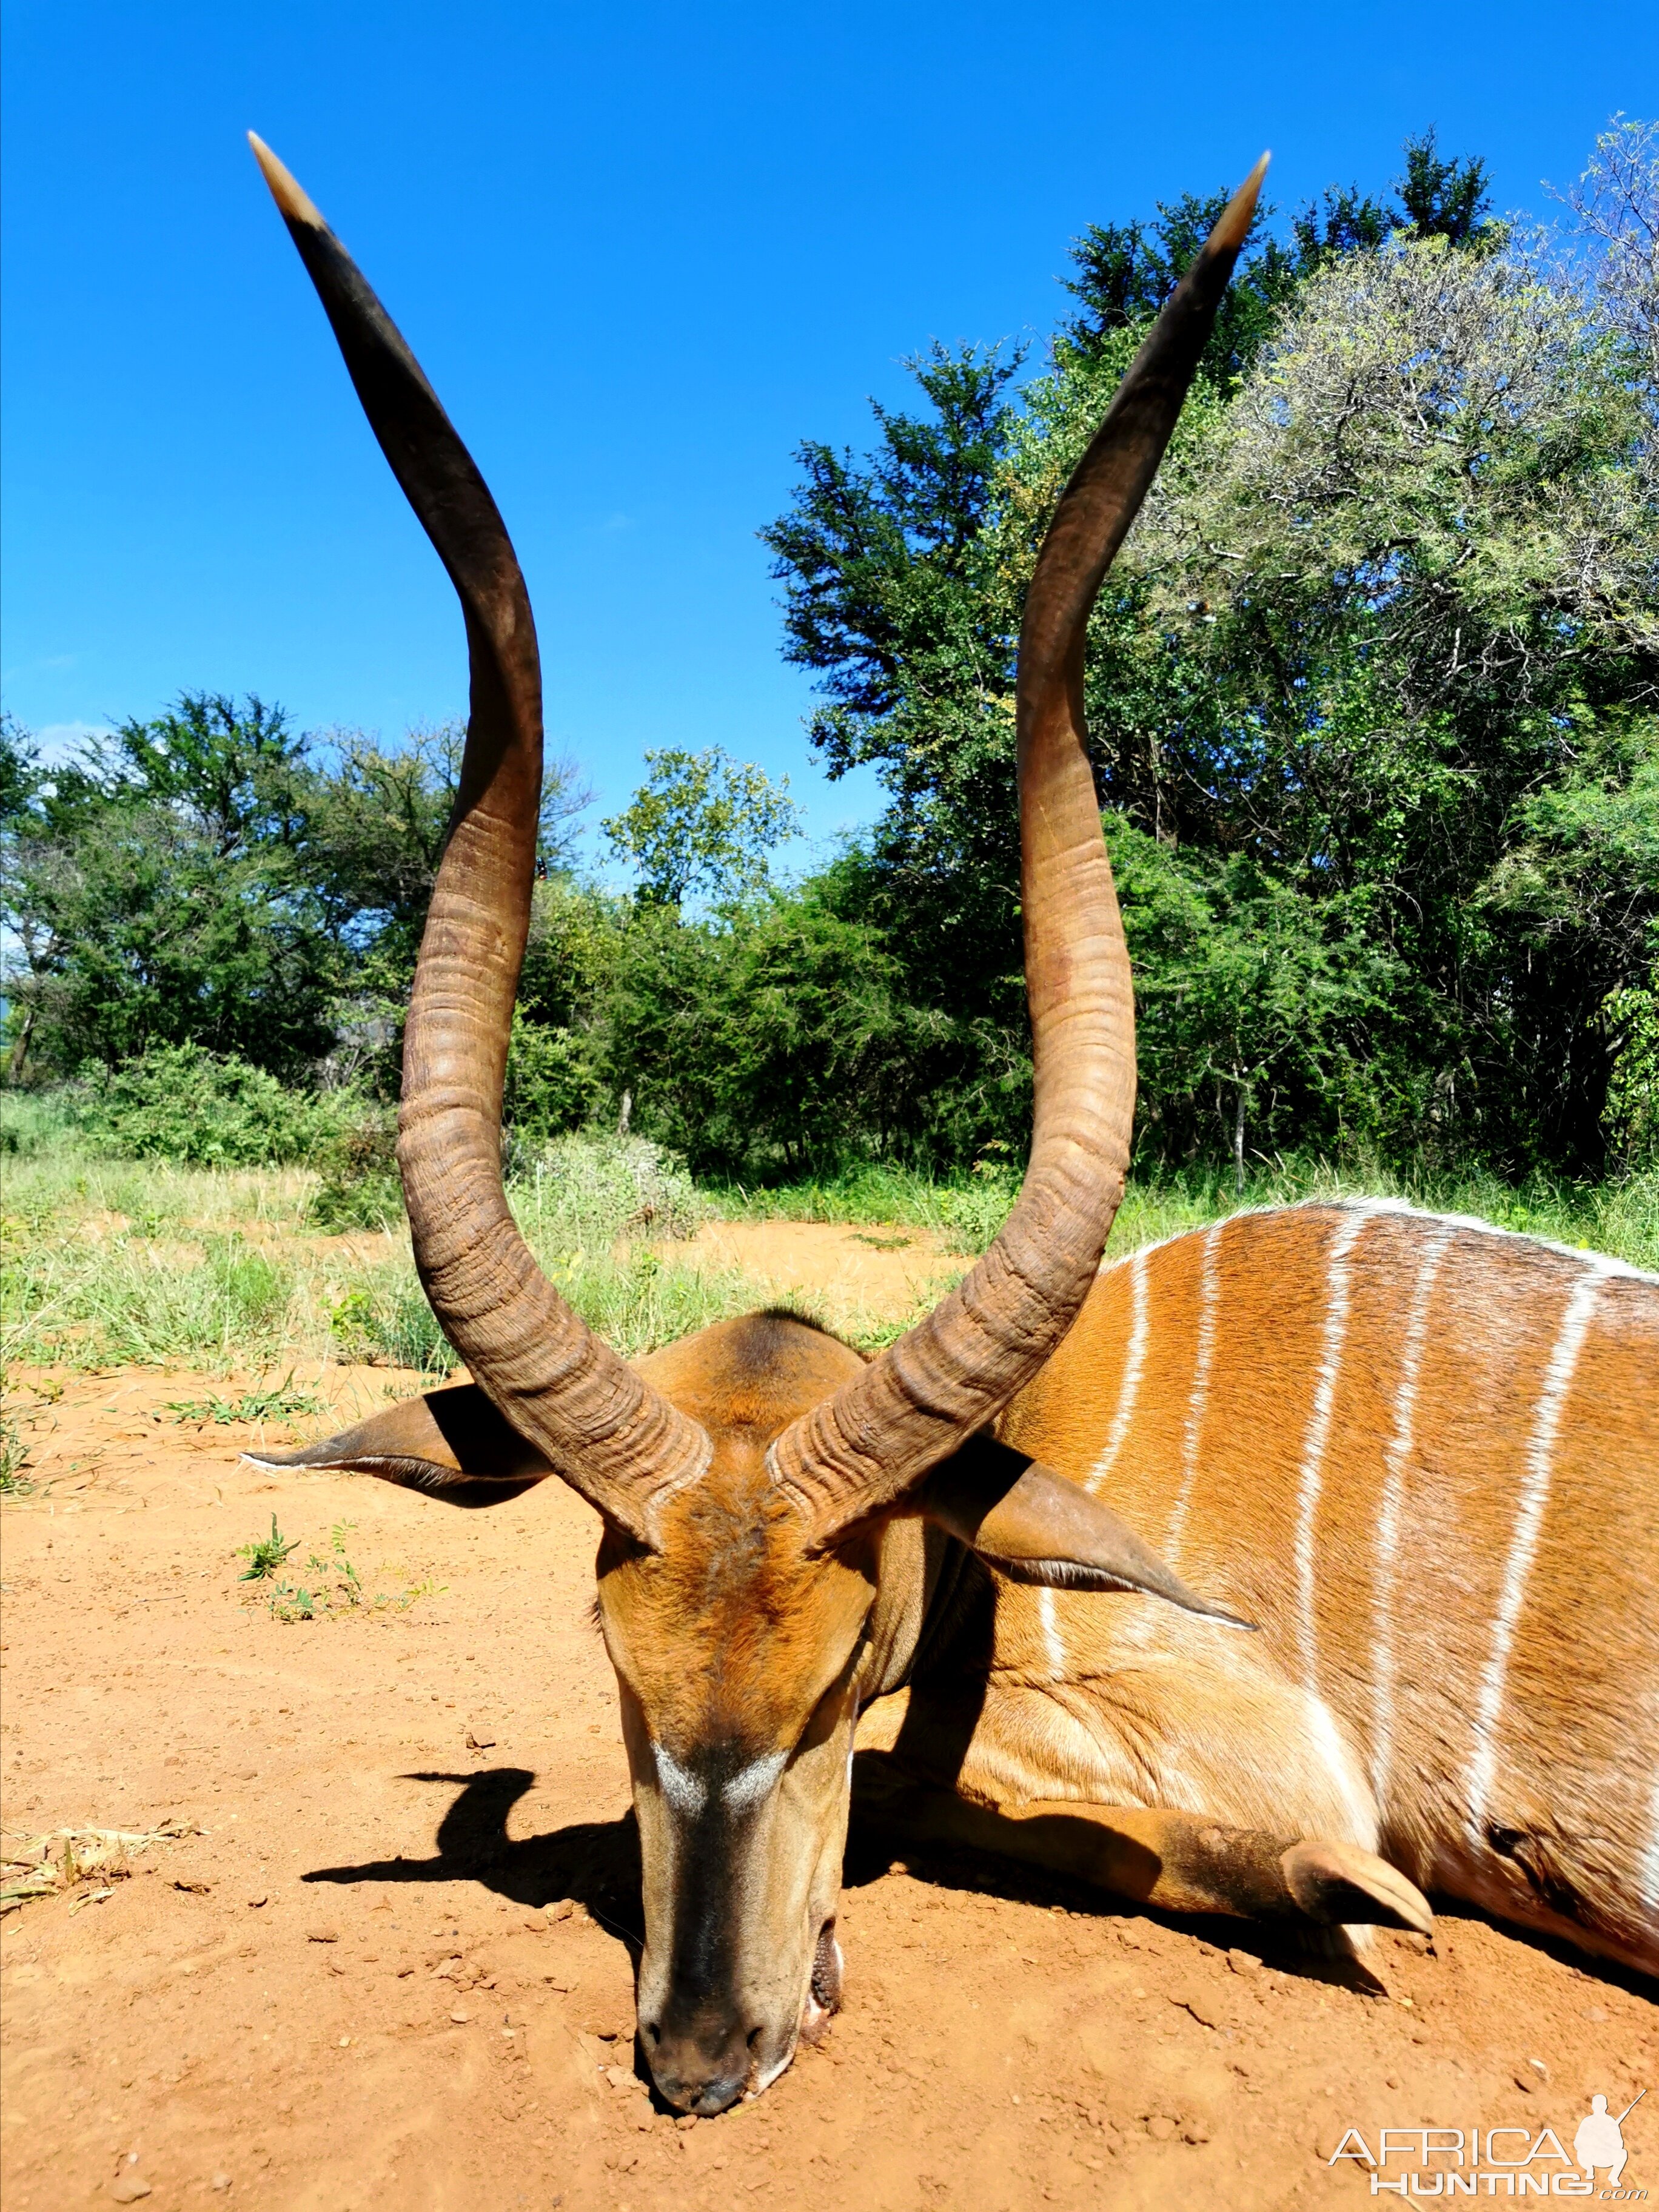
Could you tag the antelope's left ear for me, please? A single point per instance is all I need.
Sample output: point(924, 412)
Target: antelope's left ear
point(451, 1444)
point(1034, 1526)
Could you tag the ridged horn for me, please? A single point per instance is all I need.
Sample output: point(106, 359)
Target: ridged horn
point(952, 1374)
point(600, 1428)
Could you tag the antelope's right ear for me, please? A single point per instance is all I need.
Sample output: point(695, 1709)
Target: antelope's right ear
point(1034, 1526)
point(452, 1445)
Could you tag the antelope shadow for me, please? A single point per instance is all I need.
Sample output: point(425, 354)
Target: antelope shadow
point(595, 1863)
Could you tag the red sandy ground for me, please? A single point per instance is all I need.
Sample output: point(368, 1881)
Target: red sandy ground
point(395, 1967)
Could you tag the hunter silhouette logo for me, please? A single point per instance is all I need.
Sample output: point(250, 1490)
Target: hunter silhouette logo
point(1600, 2139)
point(1498, 2161)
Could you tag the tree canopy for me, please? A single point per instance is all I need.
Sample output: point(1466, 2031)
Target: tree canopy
point(1373, 691)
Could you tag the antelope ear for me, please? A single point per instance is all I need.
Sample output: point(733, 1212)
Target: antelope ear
point(1034, 1526)
point(452, 1445)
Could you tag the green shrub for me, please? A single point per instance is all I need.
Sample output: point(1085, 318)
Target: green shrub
point(387, 1321)
point(552, 1084)
point(208, 1109)
point(584, 1191)
point(34, 1122)
point(359, 1187)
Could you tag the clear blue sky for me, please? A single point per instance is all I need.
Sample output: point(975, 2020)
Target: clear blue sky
point(641, 253)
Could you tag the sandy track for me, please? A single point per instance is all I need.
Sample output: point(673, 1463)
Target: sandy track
point(395, 1967)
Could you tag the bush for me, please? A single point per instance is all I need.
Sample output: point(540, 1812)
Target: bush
point(208, 1109)
point(34, 1122)
point(387, 1323)
point(553, 1085)
point(585, 1191)
point(360, 1187)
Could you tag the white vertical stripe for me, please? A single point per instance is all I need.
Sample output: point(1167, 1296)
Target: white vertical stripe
point(1053, 1650)
point(1395, 1457)
point(1647, 1870)
point(1318, 1434)
point(1209, 1292)
point(1329, 1740)
point(1128, 1389)
point(1523, 1544)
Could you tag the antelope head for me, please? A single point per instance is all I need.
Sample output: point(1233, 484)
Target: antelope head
point(774, 1508)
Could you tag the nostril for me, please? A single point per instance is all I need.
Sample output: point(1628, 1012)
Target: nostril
point(755, 2037)
point(653, 2031)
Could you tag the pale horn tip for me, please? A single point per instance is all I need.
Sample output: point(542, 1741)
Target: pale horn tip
point(284, 189)
point(1228, 235)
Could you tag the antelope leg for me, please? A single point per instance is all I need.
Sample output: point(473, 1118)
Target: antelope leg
point(1176, 1862)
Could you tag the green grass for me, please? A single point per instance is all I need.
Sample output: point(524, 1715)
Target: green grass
point(108, 1263)
point(966, 1211)
point(333, 1588)
point(111, 1263)
point(1620, 1218)
point(280, 1401)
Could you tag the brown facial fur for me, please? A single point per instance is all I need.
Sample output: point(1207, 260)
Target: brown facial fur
point(724, 1634)
point(737, 1656)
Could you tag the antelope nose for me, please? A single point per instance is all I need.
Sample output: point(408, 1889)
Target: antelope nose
point(701, 2067)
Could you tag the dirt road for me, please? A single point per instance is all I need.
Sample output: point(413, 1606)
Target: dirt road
point(390, 1963)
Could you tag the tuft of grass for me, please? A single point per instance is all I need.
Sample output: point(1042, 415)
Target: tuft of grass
point(595, 1189)
point(338, 1589)
point(253, 1405)
point(13, 1458)
point(68, 1858)
point(265, 1554)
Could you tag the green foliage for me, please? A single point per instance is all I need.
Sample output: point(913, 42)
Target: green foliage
point(160, 889)
point(1632, 1108)
point(111, 1300)
point(590, 1192)
point(276, 1403)
point(776, 1039)
point(385, 1321)
point(210, 1109)
point(1249, 997)
point(554, 1084)
point(209, 877)
point(702, 822)
point(13, 1458)
point(265, 1554)
point(966, 1211)
point(1369, 686)
point(35, 1122)
point(340, 1590)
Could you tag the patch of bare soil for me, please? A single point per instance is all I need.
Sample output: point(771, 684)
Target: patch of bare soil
point(391, 1962)
point(888, 1270)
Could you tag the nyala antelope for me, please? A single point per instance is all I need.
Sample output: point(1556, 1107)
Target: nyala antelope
point(1408, 1462)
